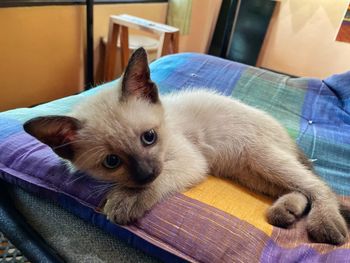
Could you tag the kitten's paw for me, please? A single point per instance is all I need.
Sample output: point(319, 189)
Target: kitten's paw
point(327, 226)
point(123, 209)
point(287, 209)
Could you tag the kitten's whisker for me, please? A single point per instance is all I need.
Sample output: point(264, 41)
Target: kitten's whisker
point(87, 153)
point(75, 179)
point(104, 181)
point(97, 192)
point(93, 157)
point(72, 142)
point(104, 185)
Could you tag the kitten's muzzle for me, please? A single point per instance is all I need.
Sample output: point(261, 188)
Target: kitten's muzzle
point(144, 173)
point(145, 177)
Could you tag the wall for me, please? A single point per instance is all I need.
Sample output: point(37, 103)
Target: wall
point(40, 54)
point(301, 39)
point(203, 21)
point(41, 49)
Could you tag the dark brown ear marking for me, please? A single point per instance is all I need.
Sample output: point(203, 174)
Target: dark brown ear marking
point(58, 132)
point(136, 80)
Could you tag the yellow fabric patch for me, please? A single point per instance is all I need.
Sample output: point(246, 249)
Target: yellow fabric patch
point(233, 199)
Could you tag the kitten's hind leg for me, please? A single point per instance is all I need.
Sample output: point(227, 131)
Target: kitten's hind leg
point(287, 209)
point(325, 224)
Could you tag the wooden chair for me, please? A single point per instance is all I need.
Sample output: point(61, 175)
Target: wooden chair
point(119, 26)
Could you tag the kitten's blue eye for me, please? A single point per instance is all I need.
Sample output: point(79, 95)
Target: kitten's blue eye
point(112, 161)
point(149, 137)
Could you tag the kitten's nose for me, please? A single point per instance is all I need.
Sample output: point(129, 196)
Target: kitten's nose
point(145, 177)
point(143, 170)
point(144, 173)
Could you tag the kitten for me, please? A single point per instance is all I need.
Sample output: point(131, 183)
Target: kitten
point(154, 147)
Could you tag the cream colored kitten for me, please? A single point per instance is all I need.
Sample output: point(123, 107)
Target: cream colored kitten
point(154, 147)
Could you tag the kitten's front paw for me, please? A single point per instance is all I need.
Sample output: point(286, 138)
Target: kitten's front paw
point(123, 209)
point(327, 227)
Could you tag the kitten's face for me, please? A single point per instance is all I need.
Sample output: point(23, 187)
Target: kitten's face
point(121, 141)
point(117, 135)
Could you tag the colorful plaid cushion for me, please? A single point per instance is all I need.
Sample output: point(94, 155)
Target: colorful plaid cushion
point(216, 221)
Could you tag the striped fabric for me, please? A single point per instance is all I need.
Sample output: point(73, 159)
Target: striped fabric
point(216, 221)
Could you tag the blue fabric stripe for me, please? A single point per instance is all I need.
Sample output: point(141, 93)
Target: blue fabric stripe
point(323, 132)
point(192, 70)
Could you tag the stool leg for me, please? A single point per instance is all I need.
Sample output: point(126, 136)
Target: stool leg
point(175, 37)
point(169, 44)
point(124, 47)
point(163, 49)
point(111, 50)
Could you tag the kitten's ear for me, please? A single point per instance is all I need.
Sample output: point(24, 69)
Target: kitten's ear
point(58, 132)
point(136, 79)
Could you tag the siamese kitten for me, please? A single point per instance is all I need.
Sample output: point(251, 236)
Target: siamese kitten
point(153, 147)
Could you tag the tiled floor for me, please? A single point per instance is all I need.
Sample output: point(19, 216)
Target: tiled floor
point(8, 253)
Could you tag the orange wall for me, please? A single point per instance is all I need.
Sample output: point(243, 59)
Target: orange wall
point(40, 54)
point(301, 39)
point(203, 21)
point(41, 49)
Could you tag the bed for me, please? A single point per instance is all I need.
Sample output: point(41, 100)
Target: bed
point(216, 221)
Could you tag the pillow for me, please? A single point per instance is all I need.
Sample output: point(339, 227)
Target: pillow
point(217, 220)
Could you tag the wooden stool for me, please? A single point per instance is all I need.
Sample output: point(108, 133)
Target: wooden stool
point(169, 40)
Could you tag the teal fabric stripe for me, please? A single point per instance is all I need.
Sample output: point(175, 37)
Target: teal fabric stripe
point(279, 95)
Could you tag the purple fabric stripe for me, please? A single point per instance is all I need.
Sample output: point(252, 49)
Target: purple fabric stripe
point(203, 232)
point(21, 152)
point(297, 236)
point(274, 253)
point(294, 245)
